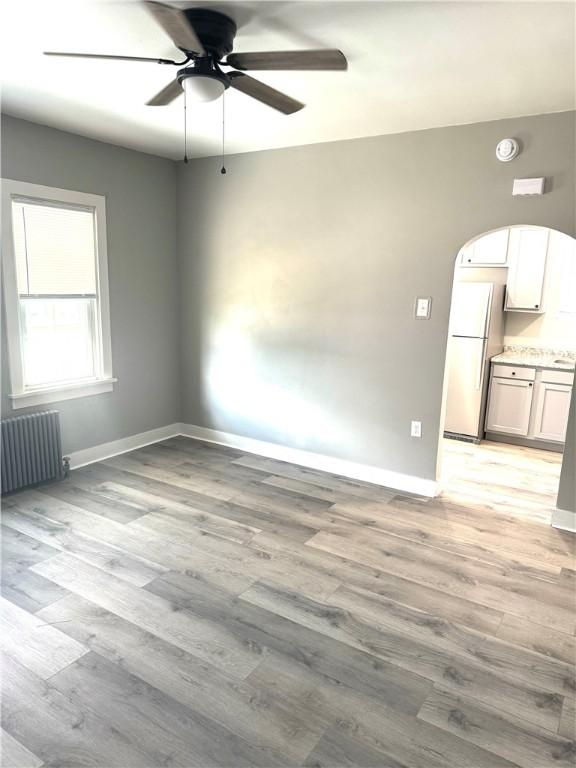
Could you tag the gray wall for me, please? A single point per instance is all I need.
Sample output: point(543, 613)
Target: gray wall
point(298, 272)
point(140, 195)
point(567, 492)
point(300, 267)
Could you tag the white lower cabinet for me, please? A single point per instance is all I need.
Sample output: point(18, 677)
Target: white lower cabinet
point(528, 402)
point(509, 407)
point(551, 412)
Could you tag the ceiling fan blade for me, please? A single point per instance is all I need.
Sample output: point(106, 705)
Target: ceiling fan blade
point(264, 93)
point(176, 26)
point(166, 95)
point(322, 59)
point(107, 56)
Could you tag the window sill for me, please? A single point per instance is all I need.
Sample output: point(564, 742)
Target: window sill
point(62, 392)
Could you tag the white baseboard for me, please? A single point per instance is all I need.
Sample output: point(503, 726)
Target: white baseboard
point(564, 520)
point(106, 450)
point(384, 477)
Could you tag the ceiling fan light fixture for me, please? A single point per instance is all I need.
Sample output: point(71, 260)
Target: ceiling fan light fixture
point(204, 36)
point(203, 88)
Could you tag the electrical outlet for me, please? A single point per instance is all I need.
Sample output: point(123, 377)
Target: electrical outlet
point(416, 429)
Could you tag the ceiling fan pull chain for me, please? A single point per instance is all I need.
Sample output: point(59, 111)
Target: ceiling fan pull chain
point(223, 169)
point(185, 131)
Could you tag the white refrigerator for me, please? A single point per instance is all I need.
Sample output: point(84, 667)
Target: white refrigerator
point(476, 335)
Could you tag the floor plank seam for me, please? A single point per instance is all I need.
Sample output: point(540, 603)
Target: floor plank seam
point(236, 610)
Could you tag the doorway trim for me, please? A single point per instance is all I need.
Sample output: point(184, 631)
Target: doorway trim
point(561, 518)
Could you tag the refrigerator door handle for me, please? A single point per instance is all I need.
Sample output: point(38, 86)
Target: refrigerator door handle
point(481, 369)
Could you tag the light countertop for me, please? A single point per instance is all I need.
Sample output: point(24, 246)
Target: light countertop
point(532, 358)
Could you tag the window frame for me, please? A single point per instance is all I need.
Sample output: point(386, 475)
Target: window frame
point(21, 396)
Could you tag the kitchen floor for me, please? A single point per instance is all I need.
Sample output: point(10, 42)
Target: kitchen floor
point(189, 605)
point(511, 479)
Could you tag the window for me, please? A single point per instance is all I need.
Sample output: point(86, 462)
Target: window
point(56, 293)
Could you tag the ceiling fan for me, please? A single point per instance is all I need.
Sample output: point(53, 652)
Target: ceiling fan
point(205, 37)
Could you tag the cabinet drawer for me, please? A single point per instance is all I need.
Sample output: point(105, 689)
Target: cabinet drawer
point(513, 372)
point(558, 377)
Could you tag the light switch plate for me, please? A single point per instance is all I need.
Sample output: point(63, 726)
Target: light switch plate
point(416, 429)
point(423, 307)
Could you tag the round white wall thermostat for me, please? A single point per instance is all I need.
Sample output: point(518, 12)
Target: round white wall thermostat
point(507, 150)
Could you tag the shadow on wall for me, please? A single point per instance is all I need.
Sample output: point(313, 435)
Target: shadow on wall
point(299, 271)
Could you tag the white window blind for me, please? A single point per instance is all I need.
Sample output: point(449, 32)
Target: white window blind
point(55, 289)
point(54, 248)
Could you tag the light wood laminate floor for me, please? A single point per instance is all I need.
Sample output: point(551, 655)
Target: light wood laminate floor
point(514, 480)
point(189, 605)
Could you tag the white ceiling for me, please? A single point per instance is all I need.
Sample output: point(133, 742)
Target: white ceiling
point(412, 65)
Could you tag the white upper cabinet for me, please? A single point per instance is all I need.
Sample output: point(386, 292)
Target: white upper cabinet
point(487, 251)
point(527, 251)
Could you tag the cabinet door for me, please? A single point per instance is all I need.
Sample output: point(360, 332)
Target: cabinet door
point(509, 406)
point(527, 264)
point(487, 251)
point(551, 412)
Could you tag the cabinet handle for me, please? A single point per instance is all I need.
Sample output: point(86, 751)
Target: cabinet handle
point(536, 306)
point(530, 384)
point(513, 373)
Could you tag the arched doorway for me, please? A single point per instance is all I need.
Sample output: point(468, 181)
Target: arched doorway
point(509, 374)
